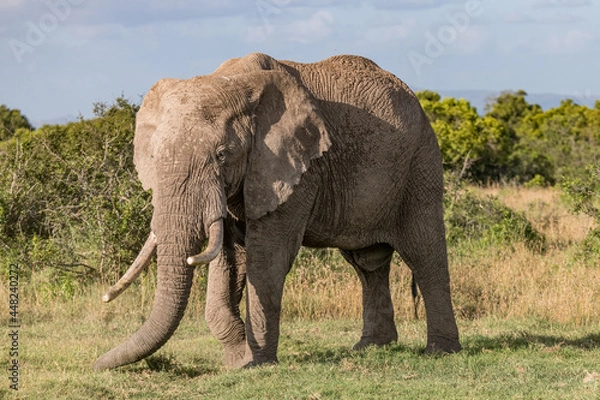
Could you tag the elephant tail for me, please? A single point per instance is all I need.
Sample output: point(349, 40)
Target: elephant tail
point(414, 289)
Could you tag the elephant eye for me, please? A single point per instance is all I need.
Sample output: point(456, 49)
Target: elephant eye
point(220, 155)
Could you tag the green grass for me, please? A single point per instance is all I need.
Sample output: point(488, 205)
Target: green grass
point(501, 359)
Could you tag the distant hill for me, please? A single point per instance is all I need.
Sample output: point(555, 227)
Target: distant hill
point(479, 98)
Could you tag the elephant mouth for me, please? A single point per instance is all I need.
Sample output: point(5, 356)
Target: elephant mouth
point(215, 242)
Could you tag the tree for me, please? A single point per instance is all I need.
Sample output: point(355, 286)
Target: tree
point(523, 160)
point(567, 137)
point(10, 121)
point(468, 142)
point(510, 108)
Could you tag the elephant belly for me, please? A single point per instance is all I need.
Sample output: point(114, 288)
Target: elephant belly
point(359, 197)
point(354, 223)
point(342, 241)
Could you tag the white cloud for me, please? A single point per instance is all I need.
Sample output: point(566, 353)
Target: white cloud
point(8, 5)
point(318, 26)
point(382, 34)
point(515, 17)
point(79, 35)
point(570, 42)
point(256, 34)
point(472, 40)
point(561, 3)
point(562, 17)
point(411, 4)
point(515, 46)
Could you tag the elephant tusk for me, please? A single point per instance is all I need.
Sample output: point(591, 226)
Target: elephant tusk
point(138, 265)
point(215, 242)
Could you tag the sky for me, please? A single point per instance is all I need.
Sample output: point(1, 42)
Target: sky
point(59, 57)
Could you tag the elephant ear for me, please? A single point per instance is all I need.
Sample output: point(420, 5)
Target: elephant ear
point(289, 131)
point(146, 125)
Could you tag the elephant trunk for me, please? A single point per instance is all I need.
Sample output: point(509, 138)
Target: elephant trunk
point(174, 281)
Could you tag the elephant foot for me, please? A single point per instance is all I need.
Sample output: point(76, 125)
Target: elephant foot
point(257, 358)
point(370, 341)
point(253, 363)
point(438, 344)
point(240, 356)
point(235, 355)
point(377, 334)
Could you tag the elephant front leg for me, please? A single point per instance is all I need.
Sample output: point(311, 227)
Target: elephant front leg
point(226, 282)
point(267, 267)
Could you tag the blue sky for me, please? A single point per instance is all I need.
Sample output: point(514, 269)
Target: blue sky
point(58, 57)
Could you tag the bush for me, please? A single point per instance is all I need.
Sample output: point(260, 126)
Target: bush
point(537, 181)
point(582, 194)
point(71, 199)
point(514, 141)
point(485, 221)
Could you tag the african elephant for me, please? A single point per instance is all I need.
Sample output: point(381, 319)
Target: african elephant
point(263, 156)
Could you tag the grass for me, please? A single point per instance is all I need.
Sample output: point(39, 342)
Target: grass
point(501, 359)
point(529, 323)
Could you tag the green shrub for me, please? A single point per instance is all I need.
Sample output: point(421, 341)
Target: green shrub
point(537, 181)
point(514, 141)
point(71, 200)
point(582, 194)
point(486, 221)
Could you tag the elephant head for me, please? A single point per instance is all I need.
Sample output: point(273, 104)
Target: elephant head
point(235, 141)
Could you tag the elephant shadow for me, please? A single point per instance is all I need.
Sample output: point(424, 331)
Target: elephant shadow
point(524, 339)
point(168, 363)
point(341, 354)
point(473, 346)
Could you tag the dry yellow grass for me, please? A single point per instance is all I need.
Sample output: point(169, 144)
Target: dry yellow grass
point(315, 290)
point(545, 210)
point(513, 282)
point(516, 282)
point(505, 283)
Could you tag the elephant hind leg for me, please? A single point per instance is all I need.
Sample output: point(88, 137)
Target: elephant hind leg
point(373, 267)
point(422, 245)
point(431, 274)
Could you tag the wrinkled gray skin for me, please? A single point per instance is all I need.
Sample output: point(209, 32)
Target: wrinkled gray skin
point(336, 153)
